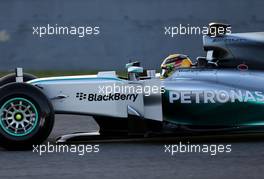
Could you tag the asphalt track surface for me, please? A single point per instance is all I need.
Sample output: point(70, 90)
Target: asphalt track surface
point(136, 159)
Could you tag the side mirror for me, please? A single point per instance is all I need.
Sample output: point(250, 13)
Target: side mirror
point(134, 69)
point(133, 73)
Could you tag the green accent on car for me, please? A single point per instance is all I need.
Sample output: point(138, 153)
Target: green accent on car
point(213, 114)
point(39, 80)
point(19, 117)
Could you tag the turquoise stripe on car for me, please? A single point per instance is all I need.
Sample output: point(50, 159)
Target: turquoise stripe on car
point(69, 79)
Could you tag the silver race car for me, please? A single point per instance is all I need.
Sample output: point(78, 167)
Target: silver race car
point(222, 91)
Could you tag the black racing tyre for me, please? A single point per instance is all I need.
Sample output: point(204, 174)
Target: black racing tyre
point(26, 116)
point(12, 78)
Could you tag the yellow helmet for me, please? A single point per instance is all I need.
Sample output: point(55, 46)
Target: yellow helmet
point(173, 62)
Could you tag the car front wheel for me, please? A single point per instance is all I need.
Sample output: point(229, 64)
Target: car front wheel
point(26, 116)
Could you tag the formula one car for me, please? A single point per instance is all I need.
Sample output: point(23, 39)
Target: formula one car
point(222, 91)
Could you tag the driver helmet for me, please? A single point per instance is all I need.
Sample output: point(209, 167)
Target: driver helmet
point(173, 62)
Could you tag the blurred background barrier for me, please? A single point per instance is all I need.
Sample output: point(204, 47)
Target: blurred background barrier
point(129, 30)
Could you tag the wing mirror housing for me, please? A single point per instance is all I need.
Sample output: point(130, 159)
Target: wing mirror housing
point(134, 73)
point(134, 69)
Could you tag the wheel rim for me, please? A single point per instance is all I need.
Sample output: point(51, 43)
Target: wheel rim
point(19, 117)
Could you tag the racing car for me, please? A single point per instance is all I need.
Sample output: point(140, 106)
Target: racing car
point(220, 92)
